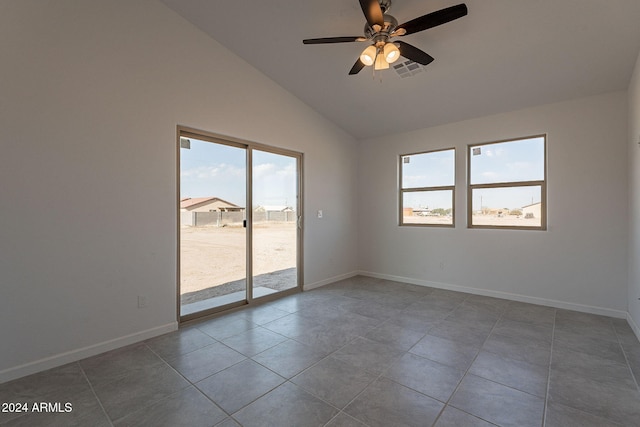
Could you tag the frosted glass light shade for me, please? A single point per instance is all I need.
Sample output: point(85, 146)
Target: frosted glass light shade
point(391, 53)
point(368, 56)
point(381, 63)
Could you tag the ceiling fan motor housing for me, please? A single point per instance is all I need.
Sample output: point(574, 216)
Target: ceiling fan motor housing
point(390, 24)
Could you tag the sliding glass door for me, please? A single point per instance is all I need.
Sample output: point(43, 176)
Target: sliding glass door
point(239, 234)
point(213, 242)
point(274, 222)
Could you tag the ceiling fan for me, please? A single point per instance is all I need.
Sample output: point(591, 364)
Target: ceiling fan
point(380, 28)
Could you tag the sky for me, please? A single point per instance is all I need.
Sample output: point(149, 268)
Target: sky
point(517, 161)
point(435, 169)
point(513, 161)
point(215, 170)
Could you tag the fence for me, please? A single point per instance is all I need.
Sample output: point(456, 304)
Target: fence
point(219, 219)
point(263, 216)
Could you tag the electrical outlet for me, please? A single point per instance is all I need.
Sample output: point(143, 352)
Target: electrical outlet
point(442, 265)
point(142, 301)
point(320, 214)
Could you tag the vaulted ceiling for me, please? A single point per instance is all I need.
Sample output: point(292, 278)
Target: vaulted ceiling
point(504, 55)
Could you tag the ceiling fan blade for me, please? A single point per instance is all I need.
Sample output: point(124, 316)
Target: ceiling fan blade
point(413, 53)
point(333, 40)
point(373, 12)
point(434, 19)
point(357, 67)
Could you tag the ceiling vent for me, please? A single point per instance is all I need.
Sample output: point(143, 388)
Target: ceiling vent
point(408, 68)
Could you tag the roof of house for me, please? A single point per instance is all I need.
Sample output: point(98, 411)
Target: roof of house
point(532, 204)
point(190, 202)
point(275, 208)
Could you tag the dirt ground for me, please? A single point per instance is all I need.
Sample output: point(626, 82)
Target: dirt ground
point(508, 220)
point(427, 220)
point(213, 259)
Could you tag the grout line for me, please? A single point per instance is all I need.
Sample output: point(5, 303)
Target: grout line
point(387, 320)
point(468, 368)
point(362, 391)
point(546, 395)
point(289, 380)
point(381, 322)
point(104, 411)
point(169, 365)
point(626, 358)
point(191, 384)
point(194, 385)
point(346, 415)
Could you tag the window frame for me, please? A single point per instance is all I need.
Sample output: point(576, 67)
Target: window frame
point(402, 191)
point(508, 184)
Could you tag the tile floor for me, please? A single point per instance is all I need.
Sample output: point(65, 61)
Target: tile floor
point(361, 352)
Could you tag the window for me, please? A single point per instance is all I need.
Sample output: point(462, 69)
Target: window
point(427, 187)
point(508, 184)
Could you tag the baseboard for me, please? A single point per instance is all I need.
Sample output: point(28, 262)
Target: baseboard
point(82, 353)
point(634, 326)
point(309, 286)
point(505, 295)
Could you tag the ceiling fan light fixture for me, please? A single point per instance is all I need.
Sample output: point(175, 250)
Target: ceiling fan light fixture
point(380, 28)
point(391, 53)
point(368, 56)
point(381, 63)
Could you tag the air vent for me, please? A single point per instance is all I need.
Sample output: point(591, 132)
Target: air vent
point(408, 68)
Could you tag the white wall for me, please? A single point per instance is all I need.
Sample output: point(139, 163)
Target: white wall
point(634, 199)
point(91, 94)
point(579, 262)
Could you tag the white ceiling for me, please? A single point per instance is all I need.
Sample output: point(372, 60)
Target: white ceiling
point(504, 55)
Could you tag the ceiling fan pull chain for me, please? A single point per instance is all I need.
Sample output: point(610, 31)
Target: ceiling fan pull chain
point(373, 74)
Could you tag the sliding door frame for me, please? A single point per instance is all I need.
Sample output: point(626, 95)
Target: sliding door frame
point(249, 146)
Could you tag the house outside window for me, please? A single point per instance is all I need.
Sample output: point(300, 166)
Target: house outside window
point(508, 184)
